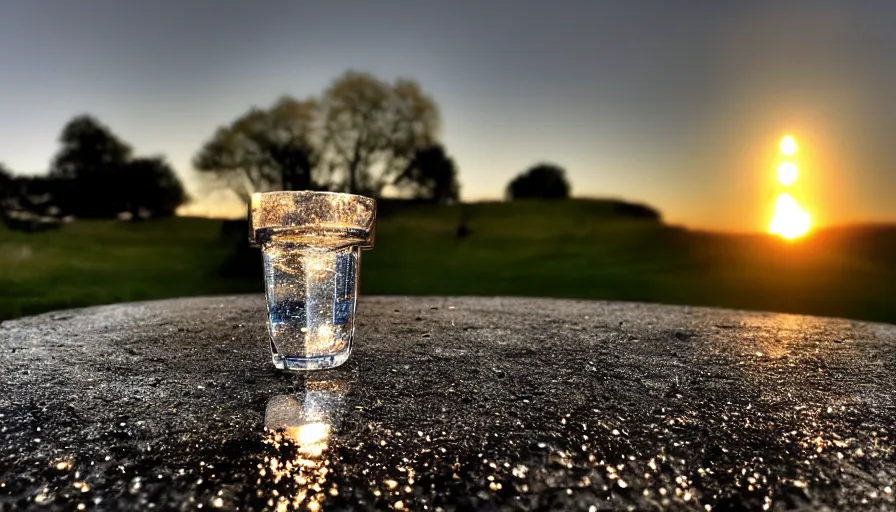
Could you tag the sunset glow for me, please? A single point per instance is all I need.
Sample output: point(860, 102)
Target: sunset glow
point(790, 219)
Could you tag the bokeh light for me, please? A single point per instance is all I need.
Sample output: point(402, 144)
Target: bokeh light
point(787, 173)
point(788, 146)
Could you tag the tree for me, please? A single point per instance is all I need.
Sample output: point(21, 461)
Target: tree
point(94, 176)
point(26, 202)
point(88, 169)
point(5, 182)
point(7, 194)
point(372, 130)
point(264, 149)
point(359, 137)
point(544, 181)
point(153, 188)
point(35, 194)
point(431, 175)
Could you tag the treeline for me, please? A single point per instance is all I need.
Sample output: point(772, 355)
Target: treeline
point(362, 135)
point(94, 175)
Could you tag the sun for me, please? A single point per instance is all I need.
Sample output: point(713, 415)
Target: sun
point(790, 220)
point(788, 146)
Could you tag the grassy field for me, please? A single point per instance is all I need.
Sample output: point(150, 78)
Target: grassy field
point(99, 262)
point(575, 249)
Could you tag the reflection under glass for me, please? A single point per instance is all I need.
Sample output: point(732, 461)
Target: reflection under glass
point(299, 428)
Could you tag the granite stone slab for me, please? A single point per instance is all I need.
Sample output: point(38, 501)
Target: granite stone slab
point(448, 404)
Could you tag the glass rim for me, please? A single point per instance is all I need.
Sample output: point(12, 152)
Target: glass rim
point(312, 213)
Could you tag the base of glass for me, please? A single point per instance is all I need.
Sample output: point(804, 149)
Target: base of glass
point(310, 363)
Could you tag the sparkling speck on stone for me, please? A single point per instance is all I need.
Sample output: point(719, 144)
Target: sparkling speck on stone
point(700, 426)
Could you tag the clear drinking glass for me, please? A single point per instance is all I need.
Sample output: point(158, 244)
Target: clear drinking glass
point(311, 245)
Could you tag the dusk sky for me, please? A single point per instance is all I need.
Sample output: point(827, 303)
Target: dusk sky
point(679, 104)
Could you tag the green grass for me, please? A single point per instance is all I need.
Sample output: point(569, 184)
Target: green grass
point(574, 249)
point(99, 262)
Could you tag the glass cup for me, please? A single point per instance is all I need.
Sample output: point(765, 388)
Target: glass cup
point(311, 246)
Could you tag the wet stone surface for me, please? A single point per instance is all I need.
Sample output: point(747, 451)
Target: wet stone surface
point(451, 404)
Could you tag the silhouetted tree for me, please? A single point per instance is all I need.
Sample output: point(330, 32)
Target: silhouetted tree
point(88, 169)
point(26, 203)
point(264, 150)
point(372, 130)
point(152, 188)
point(359, 137)
point(5, 183)
point(6, 192)
point(431, 175)
point(544, 181)
point(34, 194)
point(94, 176)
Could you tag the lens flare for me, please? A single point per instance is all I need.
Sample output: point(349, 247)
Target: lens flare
point(790, 220)
point(788, 146)
point(787, 173)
